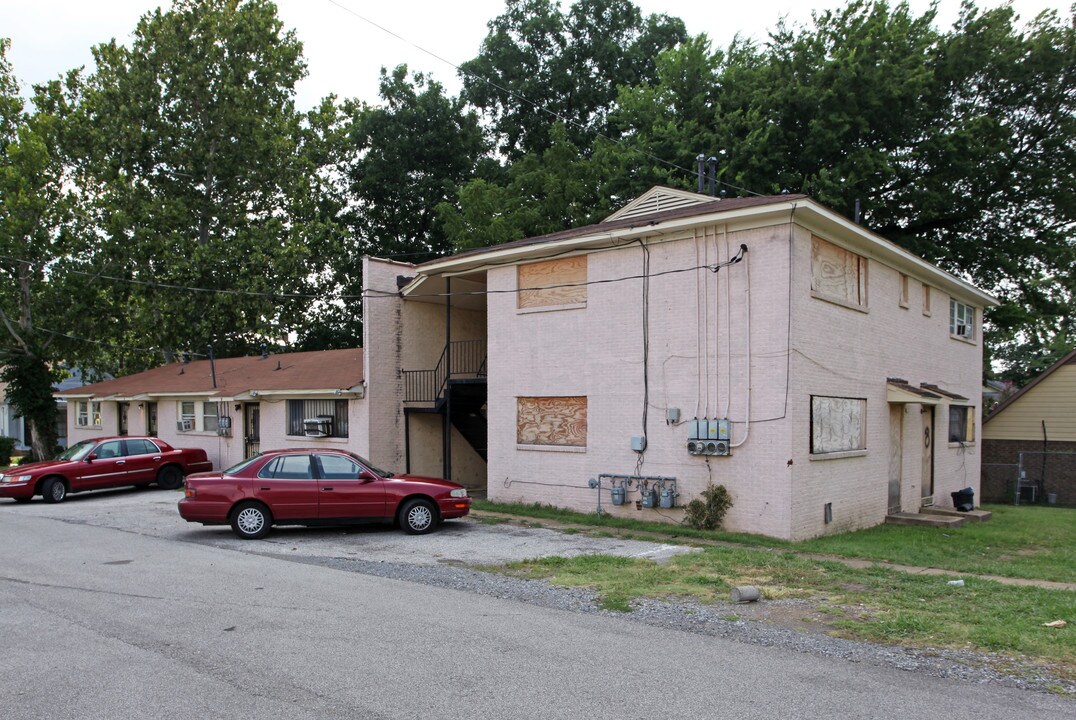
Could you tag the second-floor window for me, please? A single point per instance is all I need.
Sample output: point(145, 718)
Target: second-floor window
point(961, 320)
point(837, 274)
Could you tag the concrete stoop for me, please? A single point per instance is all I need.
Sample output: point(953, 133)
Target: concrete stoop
point(971, 515)
point(926, 519)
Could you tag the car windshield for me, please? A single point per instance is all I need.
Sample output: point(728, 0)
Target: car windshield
point(77, 451)
point(238, 467)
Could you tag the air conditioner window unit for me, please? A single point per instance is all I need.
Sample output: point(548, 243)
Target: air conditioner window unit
point(185, 425)
point(320, 426)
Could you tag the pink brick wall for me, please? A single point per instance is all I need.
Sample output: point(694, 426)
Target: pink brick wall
point(777, 488)
point(597, 351)
point(841, 352)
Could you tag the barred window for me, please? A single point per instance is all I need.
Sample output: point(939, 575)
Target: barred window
point(334, 410)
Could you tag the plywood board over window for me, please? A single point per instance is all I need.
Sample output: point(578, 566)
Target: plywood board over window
point(838, 424)
point(553, 282)
point(838, 274)
point(552, 421)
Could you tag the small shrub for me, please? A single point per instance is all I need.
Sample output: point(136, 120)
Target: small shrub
point(7, 446)
point(707, 513)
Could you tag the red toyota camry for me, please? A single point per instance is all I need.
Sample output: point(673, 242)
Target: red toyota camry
point(318, 487)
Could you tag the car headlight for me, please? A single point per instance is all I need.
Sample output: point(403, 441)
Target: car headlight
point(459, 492)
point(14, 478)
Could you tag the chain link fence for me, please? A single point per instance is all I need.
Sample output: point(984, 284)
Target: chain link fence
point(1037, 477)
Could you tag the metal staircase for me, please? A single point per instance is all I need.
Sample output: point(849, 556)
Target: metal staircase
point(456, 386)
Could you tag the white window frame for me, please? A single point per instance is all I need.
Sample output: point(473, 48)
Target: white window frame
point(88, 414)
point(184, 415)
point(961, 315)
point(210, 415)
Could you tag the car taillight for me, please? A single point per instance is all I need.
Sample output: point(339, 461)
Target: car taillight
point(188, 491)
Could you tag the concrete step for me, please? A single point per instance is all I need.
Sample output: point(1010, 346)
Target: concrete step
point(971, 515)
point(932, 520)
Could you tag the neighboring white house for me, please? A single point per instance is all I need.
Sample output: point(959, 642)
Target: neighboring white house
point(825, 376)
point(232, 407)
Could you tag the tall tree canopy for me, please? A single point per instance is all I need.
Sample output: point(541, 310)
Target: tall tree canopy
point(960, 143)
point(35, 207)
point(194, 174)
point(539, 64)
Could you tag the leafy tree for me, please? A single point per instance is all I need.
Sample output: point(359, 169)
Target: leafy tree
point(195, 173)
point(539, 65)
point(33, 205)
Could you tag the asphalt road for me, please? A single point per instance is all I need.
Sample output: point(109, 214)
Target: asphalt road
point(103, 621)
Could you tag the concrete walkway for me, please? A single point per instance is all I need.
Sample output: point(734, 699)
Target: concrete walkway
point(857, 563)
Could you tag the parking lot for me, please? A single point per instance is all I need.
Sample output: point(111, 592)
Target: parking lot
point(152, 512)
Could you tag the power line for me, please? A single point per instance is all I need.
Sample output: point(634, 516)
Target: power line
point(524, 99)
point(382, 293)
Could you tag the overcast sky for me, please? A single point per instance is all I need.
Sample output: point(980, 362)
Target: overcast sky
point(345, 53)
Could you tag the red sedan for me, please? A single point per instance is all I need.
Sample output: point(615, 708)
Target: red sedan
point(318, 487)
point(103, 463)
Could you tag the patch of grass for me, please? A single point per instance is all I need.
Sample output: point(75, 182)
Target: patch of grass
point(1024, 542)
point(875, 604)
point(1032, 542)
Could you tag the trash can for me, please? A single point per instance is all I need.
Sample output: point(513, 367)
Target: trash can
point(964, 500)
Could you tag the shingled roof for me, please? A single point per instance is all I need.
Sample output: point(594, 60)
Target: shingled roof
point(303, 372)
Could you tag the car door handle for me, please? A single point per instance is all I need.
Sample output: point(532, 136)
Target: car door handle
point(157, 458)
point(327, 489)
point(265, 489)
point(120, 462)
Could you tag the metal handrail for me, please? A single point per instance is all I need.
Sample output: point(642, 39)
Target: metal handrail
point(466, 358)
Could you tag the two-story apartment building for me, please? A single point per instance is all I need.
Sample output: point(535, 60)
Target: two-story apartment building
point(825, 376)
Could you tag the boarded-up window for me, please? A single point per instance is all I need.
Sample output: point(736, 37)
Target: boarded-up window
point(904, 283)
point(961, 423)
point(553, 282)
point(838, 424)
point(551, 421)
point(926, 299)
point(838, 274)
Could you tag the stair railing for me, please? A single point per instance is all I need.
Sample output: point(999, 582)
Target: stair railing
point(468, 359)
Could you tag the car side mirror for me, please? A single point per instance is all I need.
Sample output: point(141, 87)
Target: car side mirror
point(367, 476)
point(91, 457)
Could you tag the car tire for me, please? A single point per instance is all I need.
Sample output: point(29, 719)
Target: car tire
point(169, 478)
point(418, 517)
point(54, 490)
point(251, 520)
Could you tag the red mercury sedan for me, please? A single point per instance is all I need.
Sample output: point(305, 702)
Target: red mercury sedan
point(103, 463)
point(318, 487)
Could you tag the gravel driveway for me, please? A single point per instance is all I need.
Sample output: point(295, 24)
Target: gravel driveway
point(448, 557)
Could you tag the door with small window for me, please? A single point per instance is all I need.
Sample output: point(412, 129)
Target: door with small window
point(121, 417)
point(151, 419)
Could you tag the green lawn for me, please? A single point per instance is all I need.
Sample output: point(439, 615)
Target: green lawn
point(1035, 542)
